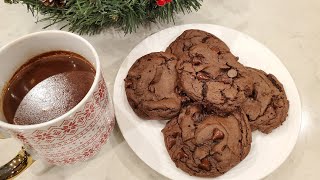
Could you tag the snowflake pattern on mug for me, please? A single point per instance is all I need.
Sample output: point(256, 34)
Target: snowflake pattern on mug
point(79, 137)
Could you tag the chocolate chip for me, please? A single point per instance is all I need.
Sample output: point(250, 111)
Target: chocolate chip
point(205, 165)
point(197, 117)
point(201, 152)
point(196, 62)
point(217, 135)
point(202, 76)
point(217, 157)
point(232, 73)
point(157, 76)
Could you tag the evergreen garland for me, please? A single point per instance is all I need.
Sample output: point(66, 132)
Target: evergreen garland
point(93, 16)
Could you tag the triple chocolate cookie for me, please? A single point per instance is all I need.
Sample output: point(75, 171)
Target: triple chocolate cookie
point(267, 108)
point(207, 145)
point(219, 81)
point(150, 86)
point(192, 37)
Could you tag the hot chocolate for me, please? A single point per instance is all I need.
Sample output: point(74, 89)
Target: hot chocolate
point(46, 87)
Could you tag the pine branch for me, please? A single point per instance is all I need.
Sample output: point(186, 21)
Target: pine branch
point(93, 16)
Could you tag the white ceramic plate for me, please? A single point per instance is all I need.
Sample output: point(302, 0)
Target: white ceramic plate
point(267, 153)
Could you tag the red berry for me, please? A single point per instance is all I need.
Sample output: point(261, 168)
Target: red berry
point(161, 2)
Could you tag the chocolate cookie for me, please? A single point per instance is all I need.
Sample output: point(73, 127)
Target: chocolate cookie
point(193, 37)
point(150, 86)
point(267, 108)
point(219, 81)
point(207, 145)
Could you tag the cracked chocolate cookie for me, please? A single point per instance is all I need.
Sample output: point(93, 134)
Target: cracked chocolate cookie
point(207, 145)
point(150, 86)
point(267, 108)
point(219, 81)
point(193, 37)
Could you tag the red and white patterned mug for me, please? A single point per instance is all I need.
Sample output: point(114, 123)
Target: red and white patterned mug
point(78, 134)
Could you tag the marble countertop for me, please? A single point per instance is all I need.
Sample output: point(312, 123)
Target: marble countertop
point(290, 28)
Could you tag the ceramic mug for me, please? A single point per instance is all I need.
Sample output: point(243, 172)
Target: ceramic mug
point(76, 135)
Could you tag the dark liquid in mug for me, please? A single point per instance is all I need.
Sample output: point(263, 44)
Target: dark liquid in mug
point(46, 87)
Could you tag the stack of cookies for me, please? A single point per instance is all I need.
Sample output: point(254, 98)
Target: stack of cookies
point(212, 100)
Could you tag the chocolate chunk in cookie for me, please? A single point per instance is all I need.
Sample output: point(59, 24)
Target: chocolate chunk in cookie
point(219, 81)
point(267, 108)
point(151, 84)
point(207, 145)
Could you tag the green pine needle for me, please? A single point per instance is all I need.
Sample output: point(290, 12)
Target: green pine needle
point(93, 16)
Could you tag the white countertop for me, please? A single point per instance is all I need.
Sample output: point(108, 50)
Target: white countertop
point(290, 28)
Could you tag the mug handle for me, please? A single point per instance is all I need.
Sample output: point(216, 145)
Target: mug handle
point(18, 164)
